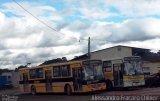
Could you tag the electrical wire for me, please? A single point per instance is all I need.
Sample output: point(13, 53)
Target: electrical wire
point(44, 22)
point(36, 17)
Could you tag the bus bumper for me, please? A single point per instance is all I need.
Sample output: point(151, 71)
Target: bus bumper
point(131, 83)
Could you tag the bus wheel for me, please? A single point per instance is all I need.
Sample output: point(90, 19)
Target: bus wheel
point(68, 90)
point(109, 85)
point(33, 90)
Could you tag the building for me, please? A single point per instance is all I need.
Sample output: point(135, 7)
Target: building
point(12, 78)
point(7, 76)
point(150, 61)
point(117, 52)
point(150, 67)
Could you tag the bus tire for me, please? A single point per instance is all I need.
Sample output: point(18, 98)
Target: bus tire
point(109, 85)
point(68, 90)
point(33, 90)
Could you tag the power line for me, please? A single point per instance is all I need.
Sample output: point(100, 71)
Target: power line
point(35, 17)
point(44, 22)
point(93, 39)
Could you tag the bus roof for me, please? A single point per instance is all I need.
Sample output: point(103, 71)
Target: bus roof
point(54, 64)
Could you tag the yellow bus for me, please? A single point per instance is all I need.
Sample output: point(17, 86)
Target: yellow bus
point(123, 73)
point(68, 77)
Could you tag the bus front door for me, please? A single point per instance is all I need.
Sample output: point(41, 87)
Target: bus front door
point(48, 79)
point(77, 82)
point(25, 82)
point(118, 75)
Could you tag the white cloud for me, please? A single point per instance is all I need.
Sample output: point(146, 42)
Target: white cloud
point(147, 44)
point(24, 39)
point(130, 30)
point(95, 13)
point(34, 9)
point(152, 44)
point(135, 8)
point(100, 9)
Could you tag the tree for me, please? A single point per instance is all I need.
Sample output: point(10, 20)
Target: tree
point(4, 70)
point(58, 60)
point(21, 66)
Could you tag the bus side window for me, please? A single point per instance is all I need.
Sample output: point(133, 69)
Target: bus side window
point(56, 71)
point(107, 66)
point(40, 73)
point(65, 71)
point(33, 73)
point(21, 77)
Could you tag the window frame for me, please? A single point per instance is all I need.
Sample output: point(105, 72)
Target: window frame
point(21, 78)
point(31, 74)
point(37, 73)
point(59, 71)
point(68, 71)
point(107, 66)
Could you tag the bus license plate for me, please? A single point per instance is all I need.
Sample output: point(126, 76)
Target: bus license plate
point(94, 86)
point(136, 84)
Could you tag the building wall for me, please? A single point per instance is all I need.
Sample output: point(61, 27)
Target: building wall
point(15, 79)
point(112, 53)
point(154, 67)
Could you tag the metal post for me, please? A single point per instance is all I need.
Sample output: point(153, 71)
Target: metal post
point(89, 55)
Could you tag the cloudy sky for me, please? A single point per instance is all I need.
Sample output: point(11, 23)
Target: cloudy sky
point(64, 22)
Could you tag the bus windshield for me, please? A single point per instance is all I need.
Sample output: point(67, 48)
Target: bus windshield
point(93, 71)
point(133, 68)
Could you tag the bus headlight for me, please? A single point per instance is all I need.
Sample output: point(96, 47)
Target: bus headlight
point(90, 77)
point(127, 83)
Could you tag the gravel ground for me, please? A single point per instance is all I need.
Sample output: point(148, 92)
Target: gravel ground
point(82, 97)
